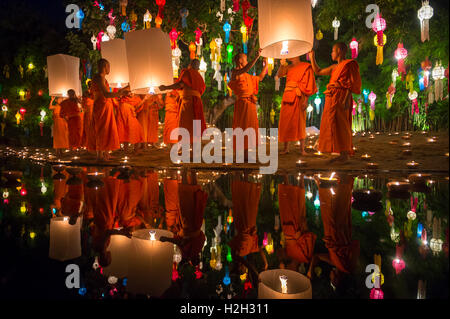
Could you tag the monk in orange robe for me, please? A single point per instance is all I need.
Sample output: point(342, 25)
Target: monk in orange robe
point(300, 85)
point(129, 129)
point(299, 241)
point(130, 193)
point(171, 117)
point(192, 87)
point(148, 116)
point(245, 87)
point(71, 111)
point(336, 212)
point(73, 202)
point(106, 134)
point(59, 191)
point(60, 130)
point(88, 130)
point(336, 125)
point(172, 203)
point(148, 207)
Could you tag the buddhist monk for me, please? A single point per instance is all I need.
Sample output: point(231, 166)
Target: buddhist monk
point(106, 134)
point(60, 130)
point(148, 116)
point(73, 201)
point(192, 87)
point(299, 241)
point(193, 201)
point(129, 129)
point(59, 191)
point(300, 85)
point(71, 111)
point(148, 206)
point(171, 117)
point(89, 131)
point(336, 125)
point(245, 87)
point(172, 203)
point(130, 193)
point(343, 251)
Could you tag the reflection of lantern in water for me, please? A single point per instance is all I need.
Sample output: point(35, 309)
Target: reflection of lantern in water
point(119, 247)
point(376, 294)
point(398, 264)
point(283, 284)
point(65, 239)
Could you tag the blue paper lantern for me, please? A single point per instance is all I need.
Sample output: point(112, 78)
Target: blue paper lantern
point(227, 29)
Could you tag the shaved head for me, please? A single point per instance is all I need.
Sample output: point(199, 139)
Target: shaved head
point(195, 64)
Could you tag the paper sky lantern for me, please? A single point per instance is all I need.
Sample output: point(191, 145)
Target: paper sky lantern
point(438, 75)
point(336, 24)
point(65, 239)
point(227, 29)
point(285, 28)
point(400, 54)
point(119, 247)
point(63, 75)
point(115, 52)
point(150, 263)
point(283, 284)
point(354, 48)
point(380, 58)
point(149, 60)
point(425, 14)
point(379, 25)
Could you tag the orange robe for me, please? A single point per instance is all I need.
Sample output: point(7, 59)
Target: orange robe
point(60, 130)
point(190, 103)
point(72, 201)
point(300, 85)
point(128, 127)
point(106, 134)
point(299, 241)
point(89, 131)
point(148, 205)
point(192, 209)
point(130, 192)
point(336, 215)
point(149, 119)
point(171, 117)
point(245, 87)
point(71, 111)
point(245, 197)
point(59, 190)
point(172, 202)
point(336, 125)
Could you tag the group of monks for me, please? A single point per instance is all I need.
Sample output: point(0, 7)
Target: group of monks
point(112, 118)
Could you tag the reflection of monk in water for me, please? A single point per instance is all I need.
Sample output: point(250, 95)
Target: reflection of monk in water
point(343, 251)
point(299, 241)
point(130, 192)
point(149, 209)
point(73, 201)
point(172, 202)
point(193, 201)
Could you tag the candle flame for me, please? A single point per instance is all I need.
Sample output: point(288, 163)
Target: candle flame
point(332, 175)
point(283, 280)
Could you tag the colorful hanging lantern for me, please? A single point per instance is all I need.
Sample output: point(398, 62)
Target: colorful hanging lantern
point(198, 41)
point(271, 65)
point(80, 16)
point(379, 25)
point(426, 67)
point(376, 294)
point(192, 48)
point(123, 7)
point(244, 38)
point(319, 35)
point(354, 48)
point(230, 49)
point(372, 98)
point(43, 114)
point(394, 77)
point(147, 19)
point(219, 49)
point(94, 42)
point(235, 5)
point(133, 19)
point(203, 68)
point(158, 22)
point(18, 118)
point(218, 75)
point(317, 102)
point(227, 29)
point(390, 95)
point(173, 38)
point(125, 26)
point(111, 31)
point(438, 75)
point(226, 279)
point(336, 24)
point(184, 13)
point(425, 14)
point(161, 4)
point(400, 54)
point(380, 57)
point(366, 93)
point(317, 202)
point(410, 81)
point(421, 79)
point(22, 112)
point(213, 48)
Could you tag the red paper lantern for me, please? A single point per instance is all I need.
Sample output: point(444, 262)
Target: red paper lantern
point(379, 25)
point(198, 35)
point(173, 38)
point(23, 191)
point(161, 4)
point(22, 111)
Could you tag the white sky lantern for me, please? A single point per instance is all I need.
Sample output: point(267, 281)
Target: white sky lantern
point(149, 55)
point(284, 284)
point(115, 52)
point(119, 247)
point(65, 239)
point(285, 28)
point(150, 263)
point(63, 75)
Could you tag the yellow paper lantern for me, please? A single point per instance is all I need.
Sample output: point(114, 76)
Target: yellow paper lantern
point(380, 58)
point(115, 52)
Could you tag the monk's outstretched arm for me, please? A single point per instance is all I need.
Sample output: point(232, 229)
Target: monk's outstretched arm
point(246, 68)
point(264, 71)
point(176, 86)
point(51, 106)
point(98, 79)
point(316, 68)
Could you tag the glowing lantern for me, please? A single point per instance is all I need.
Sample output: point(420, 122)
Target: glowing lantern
point(438, 75)
point(158, 22)
point(111, 31)
point(309, 109)
point(173, 38)
point(283, 284)
point(319, 35)
point(203, 68)
point(213, 48)
point(317, 102)
point(115, 52)
point(285, 29)
point(226, 280)
point(372, 98)
point(436, 242)
point(380, 58)
point(43, 188)
point(269, 246)
point(30, 66)
point(125, 26)
point(410, 81)
point(229, 257)
point(424, 14)
point(400, 54)
point(244, 38)
point(123, 7)
point(354, 48)
point(18, 118)
point(161, 4)
point(366, 93)
point(192, 49)
point(147, 19)
point(23, 191)
point(336, 24)
point(149, 60)
point(379, 25)
point(317, 202)
point(426, 66)
point(80, 17)
point(175, 274)
point(376, 294)
point(415, 105)
point(22, 95)
point(398, 264)
point(94, 42)
point(65, 239)
point(419, 230)
point(313, 3)
point(390, 95)
point(227, 29)
point(63, 75)
point(23, 208)
point(230, 217)
point(4, 110)
point(230, 53)
point(184, 13)
point(219, 49)
point(133, 19)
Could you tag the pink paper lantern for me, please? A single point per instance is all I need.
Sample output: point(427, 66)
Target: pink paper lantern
point(354, 47)
point(376, 294)
point(400, 54)
point(398, 264)
point(379, 25)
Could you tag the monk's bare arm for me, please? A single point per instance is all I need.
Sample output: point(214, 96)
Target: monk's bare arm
point(282, 71)
point(246, 68)
point(264, 71)
point(51, 106)
point(317, 70)
point(100, 81)
point(176, 86)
